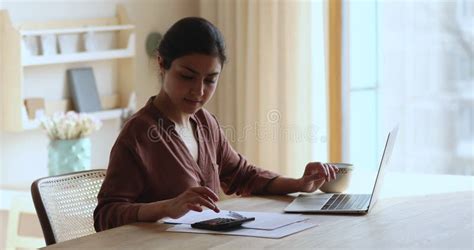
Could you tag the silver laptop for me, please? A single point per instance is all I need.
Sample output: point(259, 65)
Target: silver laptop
point(345, 203)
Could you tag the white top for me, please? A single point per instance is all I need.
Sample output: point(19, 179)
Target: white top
point(186, 133)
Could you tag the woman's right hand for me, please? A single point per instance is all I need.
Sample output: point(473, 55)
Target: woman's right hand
point(192, 199)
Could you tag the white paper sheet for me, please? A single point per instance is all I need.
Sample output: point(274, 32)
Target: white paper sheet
point(274, 234)
point(264, 221)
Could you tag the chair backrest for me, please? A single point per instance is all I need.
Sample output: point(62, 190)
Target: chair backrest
point(65, 204)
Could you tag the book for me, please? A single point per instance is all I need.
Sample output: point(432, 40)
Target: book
point(83, 88)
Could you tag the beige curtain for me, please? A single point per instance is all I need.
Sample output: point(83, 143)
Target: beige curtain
point(263, 100)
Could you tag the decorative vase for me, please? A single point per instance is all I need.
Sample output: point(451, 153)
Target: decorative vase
point(66, 156)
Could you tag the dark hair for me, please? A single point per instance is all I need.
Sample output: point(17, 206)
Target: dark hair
point(191, 35)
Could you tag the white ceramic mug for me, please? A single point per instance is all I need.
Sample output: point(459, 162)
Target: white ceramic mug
point(342, 181)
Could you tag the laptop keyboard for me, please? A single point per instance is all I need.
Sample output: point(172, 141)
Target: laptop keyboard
point(346, 202)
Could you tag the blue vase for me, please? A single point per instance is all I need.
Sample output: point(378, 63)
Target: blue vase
point(66, 156)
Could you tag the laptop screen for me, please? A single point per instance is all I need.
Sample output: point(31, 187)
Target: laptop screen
point(387, 152)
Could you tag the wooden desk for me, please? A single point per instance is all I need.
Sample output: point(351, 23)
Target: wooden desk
point(442, 220)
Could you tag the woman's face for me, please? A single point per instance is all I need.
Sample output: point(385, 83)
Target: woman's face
point(191, 81)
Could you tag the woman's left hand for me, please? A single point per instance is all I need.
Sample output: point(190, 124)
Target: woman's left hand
point(315, 175)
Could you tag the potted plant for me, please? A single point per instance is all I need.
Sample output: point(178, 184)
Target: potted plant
point(69, 149)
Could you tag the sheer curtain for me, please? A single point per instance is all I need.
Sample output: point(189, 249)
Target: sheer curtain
point(270, 99)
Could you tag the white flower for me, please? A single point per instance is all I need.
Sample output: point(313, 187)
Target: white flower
point(70, 126)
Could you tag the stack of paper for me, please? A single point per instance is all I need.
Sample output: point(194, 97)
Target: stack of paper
point(267, 225)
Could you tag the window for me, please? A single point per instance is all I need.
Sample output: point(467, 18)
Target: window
point(360, 81)
point(410, 63)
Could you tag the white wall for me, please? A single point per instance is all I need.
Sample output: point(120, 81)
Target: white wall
point(23, 156)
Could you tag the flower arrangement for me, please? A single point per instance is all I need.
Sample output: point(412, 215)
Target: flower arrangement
point(70, 125)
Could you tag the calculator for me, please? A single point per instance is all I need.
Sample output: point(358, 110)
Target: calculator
point(221, 224)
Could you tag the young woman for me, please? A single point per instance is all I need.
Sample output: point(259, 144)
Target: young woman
point(172, 156)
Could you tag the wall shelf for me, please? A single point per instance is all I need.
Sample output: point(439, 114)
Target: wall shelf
point(101, 115)
point(77, 30)
point(78, 57)
point(22, 51)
